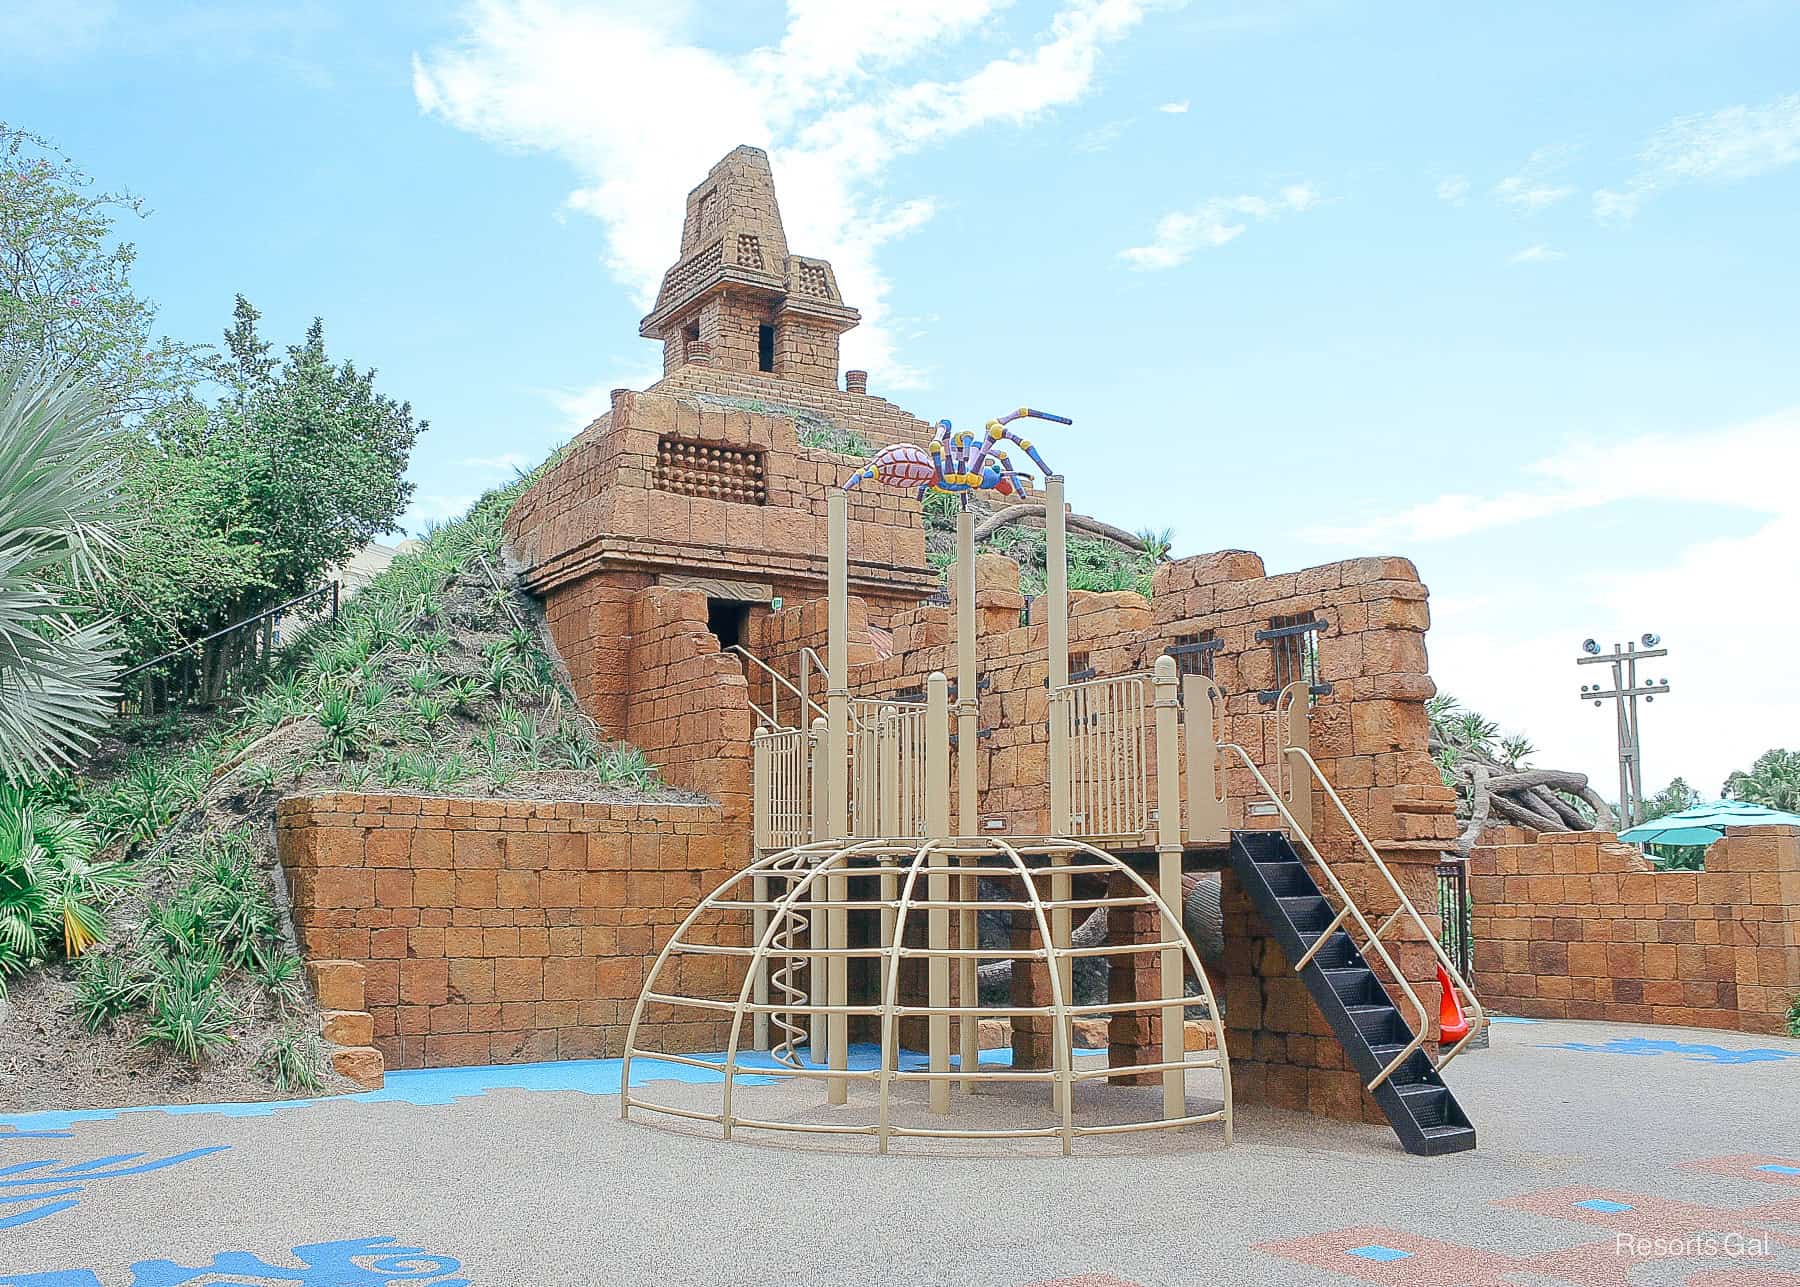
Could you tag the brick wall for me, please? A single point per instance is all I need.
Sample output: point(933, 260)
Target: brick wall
point(500, 931)
point(1573, 927)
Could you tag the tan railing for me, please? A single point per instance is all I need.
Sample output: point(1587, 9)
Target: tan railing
point(1303, 766)
point(887, 768)
point(1350, 916)
point(781, 808)
point(802, 709)
point(1108, 723)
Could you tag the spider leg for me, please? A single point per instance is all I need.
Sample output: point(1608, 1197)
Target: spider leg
point(997, 433)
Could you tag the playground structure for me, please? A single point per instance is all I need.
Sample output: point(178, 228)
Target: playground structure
point(682, 550)
point(852, 806)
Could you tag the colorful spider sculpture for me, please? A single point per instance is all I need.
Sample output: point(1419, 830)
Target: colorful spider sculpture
point(958, 462)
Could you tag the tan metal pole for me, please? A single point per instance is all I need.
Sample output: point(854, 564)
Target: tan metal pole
point(1056, 590)
point(887, 782)
point(968, 805)
point(1056, 617)
point(1168, 862)
point(837, 806)
point(937, 923)
point(816, 1036)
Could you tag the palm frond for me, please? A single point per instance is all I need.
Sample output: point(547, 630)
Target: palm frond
point(57, 507)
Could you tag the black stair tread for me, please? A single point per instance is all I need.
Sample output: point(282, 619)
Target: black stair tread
point(1422, 1110)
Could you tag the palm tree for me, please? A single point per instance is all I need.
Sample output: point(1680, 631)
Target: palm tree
point(1516, 750)
point(1773, 781)
point(1158, 543)
point(57, 509)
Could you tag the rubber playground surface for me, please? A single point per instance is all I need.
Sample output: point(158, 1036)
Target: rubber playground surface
point(1609, 1154)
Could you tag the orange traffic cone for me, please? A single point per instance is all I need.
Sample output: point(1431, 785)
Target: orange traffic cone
point(1453, 1024)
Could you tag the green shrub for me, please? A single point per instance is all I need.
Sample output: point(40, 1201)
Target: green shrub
point(107, 986)
point(431, 712)
point(293, 1059)
point(189, 1013)
point(345, 723)
point(460, 695)
point(279, 972)
point(626, 766)
point(53, 894)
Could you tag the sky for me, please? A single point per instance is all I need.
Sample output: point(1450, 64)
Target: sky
point(1510, 290)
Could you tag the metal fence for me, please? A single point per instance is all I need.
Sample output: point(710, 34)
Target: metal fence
point(1457, 915)
point(206, 670)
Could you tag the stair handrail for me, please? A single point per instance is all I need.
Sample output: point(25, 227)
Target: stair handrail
point(1473, 1008)
point(772, 717)
point(1350, 911)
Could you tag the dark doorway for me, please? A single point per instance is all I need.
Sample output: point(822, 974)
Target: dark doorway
point(726, 618)
point(765, 348)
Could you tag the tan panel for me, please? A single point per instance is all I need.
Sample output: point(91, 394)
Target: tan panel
point(714, 588)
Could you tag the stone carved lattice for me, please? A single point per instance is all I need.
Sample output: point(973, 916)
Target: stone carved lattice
point(710, 213)
point(749, 250)
point(813, 281)
point(686, 274)
point(691, 468)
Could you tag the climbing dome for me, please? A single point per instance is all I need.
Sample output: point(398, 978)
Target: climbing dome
point(852, 962)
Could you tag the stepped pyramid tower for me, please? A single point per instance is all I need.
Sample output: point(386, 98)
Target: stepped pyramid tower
point(737, 298)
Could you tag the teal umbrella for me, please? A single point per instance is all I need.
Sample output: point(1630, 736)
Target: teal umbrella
point(1701, 824)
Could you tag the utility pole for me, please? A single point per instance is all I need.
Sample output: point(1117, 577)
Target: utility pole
point(1624, 693)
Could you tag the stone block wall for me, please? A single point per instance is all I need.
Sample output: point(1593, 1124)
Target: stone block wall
point(806, 352)
point(500, 931)
point(1574, 927)
point(687, 703)
point(600, 508)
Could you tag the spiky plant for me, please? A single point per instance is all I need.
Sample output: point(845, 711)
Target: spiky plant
point(189, 1011)
point(108, 985)
point(355, 775)
point(627, 766)
point(58, 507)
point(279, 973)
point(60, 847)
point(1516, 750)
point(292, 1059)
point(460, 695)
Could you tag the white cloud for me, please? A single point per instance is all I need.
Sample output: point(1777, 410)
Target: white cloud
point(1101, 137)
point(1180, 233)
point(1504, 639)
point(1535, 186)
point(1177, 108)
point(641, 109)
point(1453, 190)
point(1749, 466)
point(1535, 254)
point(1725, 146)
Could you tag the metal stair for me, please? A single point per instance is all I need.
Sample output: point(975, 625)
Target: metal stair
point(1421, 1109)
